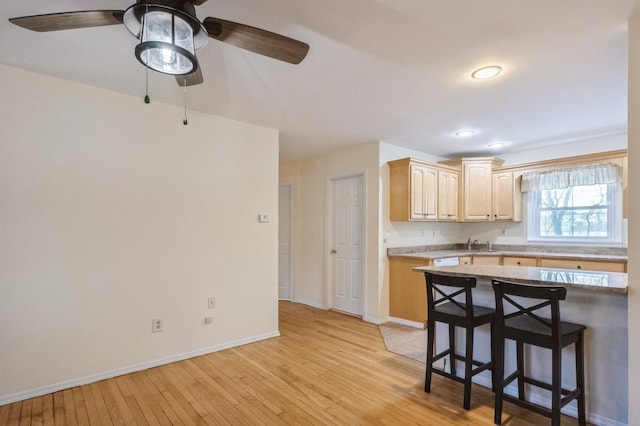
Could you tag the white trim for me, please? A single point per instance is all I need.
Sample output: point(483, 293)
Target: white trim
point(414, 324)
point(67, 384)
point(311, 303)
point(373, 320)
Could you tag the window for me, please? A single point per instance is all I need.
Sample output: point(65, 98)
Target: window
point(575, 205)
point(586, 213)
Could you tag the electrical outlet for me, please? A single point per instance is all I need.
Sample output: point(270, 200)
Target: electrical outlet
point(156, 326)
point(503, 231)
point(211, 303)
point(208, 320)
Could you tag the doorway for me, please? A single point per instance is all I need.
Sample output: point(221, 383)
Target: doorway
point(285, 237)
point(347, 244)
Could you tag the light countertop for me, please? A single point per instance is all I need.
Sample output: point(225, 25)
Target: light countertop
point(440, 254)
point(615, 282)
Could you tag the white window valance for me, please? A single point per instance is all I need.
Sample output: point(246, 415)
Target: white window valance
point(576, 176)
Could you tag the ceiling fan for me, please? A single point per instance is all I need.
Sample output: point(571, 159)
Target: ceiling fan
point(169, 33)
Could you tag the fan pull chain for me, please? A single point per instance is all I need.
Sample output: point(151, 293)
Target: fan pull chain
point(146, 90)
point(146, 75)
point(184, 120)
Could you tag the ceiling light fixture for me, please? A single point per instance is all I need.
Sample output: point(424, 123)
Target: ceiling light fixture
point(465, 133)
point(496, 145)
point(169, 35)
point(486, 73)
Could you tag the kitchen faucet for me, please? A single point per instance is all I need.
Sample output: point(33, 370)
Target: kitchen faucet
point(470, 243)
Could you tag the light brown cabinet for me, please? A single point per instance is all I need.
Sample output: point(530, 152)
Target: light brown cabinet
point(407, 289)
point(448, 182)
point(486, 260)
point(506, 196)
point(418, 194)
point(519, 261)
point(475, 187)
point(589, 265)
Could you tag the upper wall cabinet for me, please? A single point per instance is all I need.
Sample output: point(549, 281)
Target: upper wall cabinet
point(475, 189)
point(448, 195)
point(507, 198)
point(415, 188)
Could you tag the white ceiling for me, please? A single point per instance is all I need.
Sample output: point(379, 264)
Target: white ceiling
point(377, 70)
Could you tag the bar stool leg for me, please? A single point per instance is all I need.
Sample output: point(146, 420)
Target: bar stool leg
point(579, 346)
point(452, 349)
point(498, 378)
point(430, 343)
point(520, 366)
point(556, 385)
point(493, 357)
point(468, 367)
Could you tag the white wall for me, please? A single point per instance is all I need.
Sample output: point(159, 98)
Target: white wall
point(113, 213)
point(311, 178)
point(634, 219)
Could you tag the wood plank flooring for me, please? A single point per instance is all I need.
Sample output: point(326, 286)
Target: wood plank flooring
point(326, 368)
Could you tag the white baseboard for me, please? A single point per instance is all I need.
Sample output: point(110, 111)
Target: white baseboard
point(373, 320)
point(311, 303)
point(44, 390)
point(545, 402)
point(403, 321)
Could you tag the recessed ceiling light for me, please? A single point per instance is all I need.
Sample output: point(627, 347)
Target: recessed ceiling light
point(495, 145)
point(464, 133)
point(485, 73)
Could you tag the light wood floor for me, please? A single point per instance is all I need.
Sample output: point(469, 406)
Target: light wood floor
point(326, 368)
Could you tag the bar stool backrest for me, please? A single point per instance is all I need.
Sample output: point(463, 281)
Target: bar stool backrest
point(450, 295)
point(538, 318)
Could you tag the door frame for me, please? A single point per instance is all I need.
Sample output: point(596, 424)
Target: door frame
point(292, 238)
point(329, 220)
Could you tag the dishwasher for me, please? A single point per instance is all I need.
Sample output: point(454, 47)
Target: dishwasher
point(446, 261)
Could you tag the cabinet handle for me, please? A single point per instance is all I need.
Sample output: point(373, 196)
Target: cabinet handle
point(518, 262)
point(579, 267)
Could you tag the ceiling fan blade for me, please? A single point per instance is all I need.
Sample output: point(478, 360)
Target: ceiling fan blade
point(257, 40)
point(69, 20)
point(190, 79)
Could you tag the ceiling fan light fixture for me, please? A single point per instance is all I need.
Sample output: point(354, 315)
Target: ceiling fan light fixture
point(166, 43)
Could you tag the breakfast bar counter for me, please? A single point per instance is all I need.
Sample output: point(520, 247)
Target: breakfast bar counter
point(615, 282)
point(594, 298)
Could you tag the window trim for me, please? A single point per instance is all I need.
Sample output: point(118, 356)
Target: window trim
point(614, 227)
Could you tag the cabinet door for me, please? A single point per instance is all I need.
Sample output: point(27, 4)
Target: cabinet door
point(423, 193)
point(588, 265)
point(477, 191)
point(519, 261)
point(407, 289)
point(448, 195)
point(503, 202)
point(486, 260)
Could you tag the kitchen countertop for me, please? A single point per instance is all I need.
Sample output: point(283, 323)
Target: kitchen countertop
point(615, 282)
point(440, 254)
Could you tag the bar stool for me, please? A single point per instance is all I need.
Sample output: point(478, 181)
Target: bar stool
point(523, 324)
point(445, 305)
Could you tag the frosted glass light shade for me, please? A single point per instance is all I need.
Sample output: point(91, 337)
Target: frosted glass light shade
point(166, 43)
